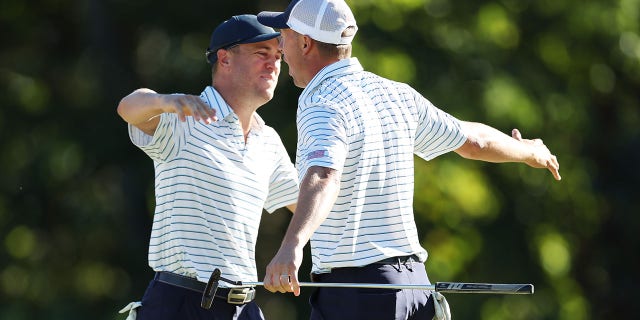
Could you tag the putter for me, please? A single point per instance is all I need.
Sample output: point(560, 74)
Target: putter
point(210, 290)
point(445, 287)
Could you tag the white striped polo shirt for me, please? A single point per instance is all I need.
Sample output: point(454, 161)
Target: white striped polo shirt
point(211, 188)
point(369, 127)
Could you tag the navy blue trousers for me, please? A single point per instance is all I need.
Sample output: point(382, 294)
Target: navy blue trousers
point(373, 304)
point(163, 301)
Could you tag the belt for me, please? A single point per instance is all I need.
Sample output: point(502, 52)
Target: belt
point(231, 295)
point(395, 260)
point(315, 277)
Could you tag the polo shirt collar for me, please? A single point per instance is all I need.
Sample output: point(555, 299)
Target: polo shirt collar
point(214, 99)
point(342, 67)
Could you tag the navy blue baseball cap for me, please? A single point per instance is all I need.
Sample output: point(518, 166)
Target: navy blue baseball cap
point(239, 29)
point(277, 19)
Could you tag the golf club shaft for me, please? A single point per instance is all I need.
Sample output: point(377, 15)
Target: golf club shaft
point(450, 287)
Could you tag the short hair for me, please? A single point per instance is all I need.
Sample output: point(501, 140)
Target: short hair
point(330, 50)
point(214, 66)
point(340, 51)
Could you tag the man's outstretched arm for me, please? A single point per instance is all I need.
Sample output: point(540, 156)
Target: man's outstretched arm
point(488, 144)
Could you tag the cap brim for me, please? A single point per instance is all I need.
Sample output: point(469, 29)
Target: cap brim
point(272, 19)
point(262, 37)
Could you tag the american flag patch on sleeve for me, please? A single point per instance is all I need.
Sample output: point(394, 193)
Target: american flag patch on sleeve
point(316, 154)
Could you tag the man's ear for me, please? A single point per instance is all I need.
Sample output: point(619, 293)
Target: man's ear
point(223, 57)
point(306, 44)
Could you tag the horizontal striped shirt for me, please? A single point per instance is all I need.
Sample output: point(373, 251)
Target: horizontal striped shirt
point(210, 190)
point(369, 128)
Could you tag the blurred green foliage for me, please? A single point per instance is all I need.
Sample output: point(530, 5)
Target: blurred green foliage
point(76, 197)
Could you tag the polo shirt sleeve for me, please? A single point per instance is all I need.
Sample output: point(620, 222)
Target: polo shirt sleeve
point(322, 139)
point(438, 132)
point(168, 139)
point(284, 186)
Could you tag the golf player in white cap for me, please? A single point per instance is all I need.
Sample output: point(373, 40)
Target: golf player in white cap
point(357, 137)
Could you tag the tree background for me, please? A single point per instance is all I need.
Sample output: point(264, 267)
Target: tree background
point(76, 197)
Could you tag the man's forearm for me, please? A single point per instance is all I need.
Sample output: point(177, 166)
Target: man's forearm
point(318, 192)
point(488, 144)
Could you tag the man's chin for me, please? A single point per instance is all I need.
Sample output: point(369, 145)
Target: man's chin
point(267, 95)
point(299, 84)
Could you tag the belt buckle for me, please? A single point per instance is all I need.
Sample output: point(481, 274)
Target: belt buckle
point(240, 295)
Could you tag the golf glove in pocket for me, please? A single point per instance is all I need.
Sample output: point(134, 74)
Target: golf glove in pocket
point(131, 307)
point(441, 306)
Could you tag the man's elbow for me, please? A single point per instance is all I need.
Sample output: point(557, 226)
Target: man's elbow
point(127, 106)
point(471, 149)
point(122, 109)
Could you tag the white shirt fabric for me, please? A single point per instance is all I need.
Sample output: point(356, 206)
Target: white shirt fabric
point(210, 190)
point(368, 127)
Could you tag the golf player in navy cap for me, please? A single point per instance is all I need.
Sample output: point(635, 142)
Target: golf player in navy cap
point(357, 137)
point(217, 166)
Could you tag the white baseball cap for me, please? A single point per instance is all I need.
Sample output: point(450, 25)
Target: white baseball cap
point(322, 20)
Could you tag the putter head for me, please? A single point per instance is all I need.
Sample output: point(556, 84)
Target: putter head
point(210, 291)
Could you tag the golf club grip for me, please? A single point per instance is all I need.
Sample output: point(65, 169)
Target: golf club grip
point(495, 288)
